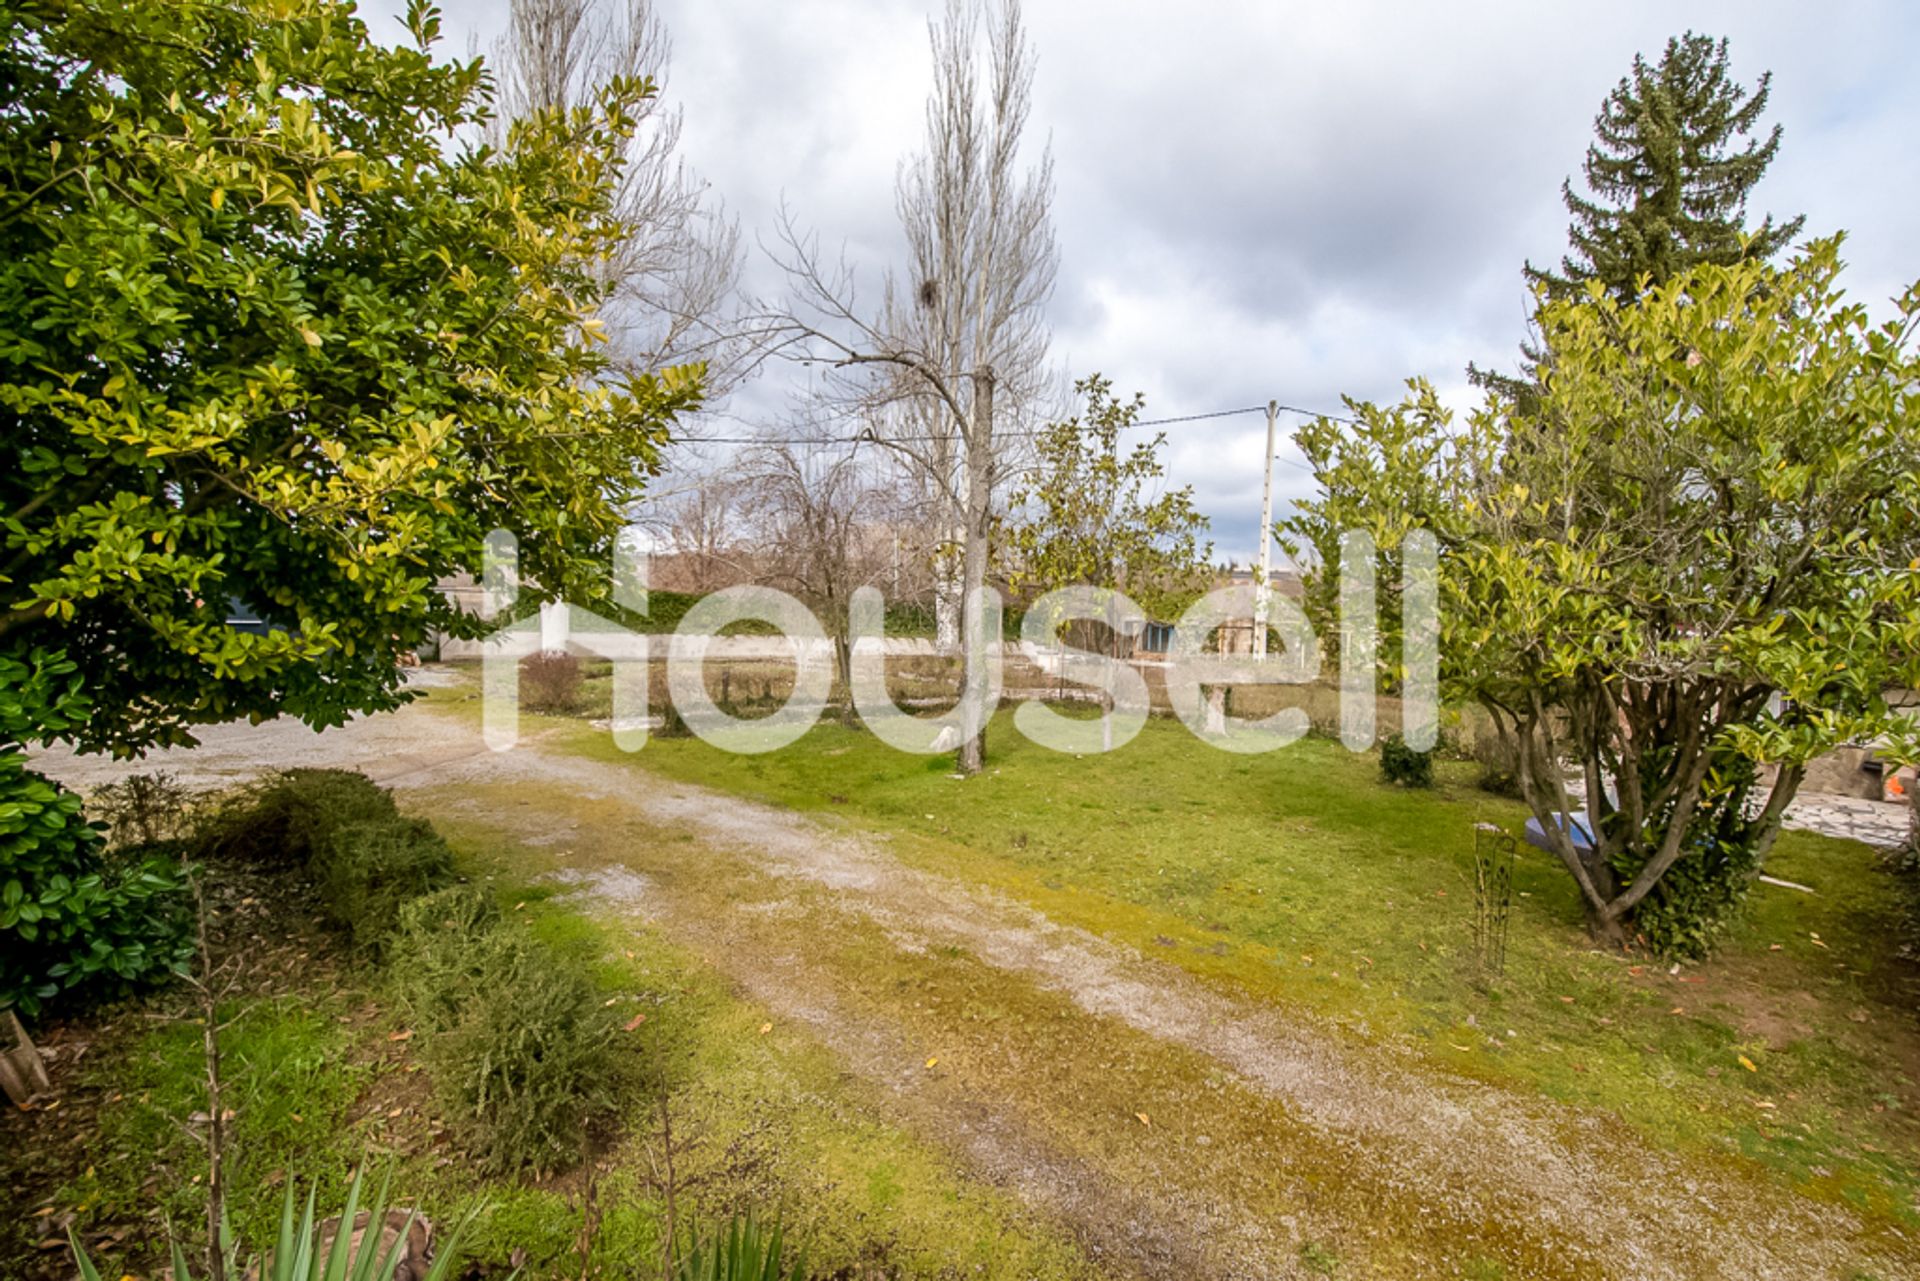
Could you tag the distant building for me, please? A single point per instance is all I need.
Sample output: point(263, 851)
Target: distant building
point(1236, 636)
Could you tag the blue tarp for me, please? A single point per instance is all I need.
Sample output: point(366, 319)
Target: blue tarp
point(1575, 825)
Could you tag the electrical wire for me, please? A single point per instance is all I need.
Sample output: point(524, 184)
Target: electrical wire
point(869, 437)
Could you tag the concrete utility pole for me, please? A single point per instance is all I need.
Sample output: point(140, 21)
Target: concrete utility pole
point(1263, 584)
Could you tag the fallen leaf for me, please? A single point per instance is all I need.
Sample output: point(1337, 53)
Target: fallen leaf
point(1747, 1063)
point(933, 1060)
point(636, 1021)
point(1566, 1000)
point(1762, 1103)
point(401, 1036)
point(1143, 1119)
point(765, 1028)
point(1677, 1010)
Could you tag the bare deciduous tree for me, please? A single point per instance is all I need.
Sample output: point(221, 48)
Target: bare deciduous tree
point(827, 521)
point(958, 352)
point(671, 281)
point(699, 525)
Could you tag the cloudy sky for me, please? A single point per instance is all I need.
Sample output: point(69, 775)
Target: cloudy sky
point(1286, 201)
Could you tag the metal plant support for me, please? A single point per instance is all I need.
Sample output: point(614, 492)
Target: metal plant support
point(1493, 855)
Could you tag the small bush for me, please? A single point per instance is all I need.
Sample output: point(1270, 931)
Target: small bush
point(512, 1031)
point(368, 871)
point(1690, 907)
point(287, 818)
point(434, 956)
point(1402, 765)
point(1499, 762)
point(74, 920)
point(550, 683)
point(527, 1066)
point(145, 809)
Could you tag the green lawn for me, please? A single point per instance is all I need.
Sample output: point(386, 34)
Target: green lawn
point(1299, 876)
point(320, 1077)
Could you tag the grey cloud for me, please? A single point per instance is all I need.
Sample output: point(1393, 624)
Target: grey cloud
point(1282, 200)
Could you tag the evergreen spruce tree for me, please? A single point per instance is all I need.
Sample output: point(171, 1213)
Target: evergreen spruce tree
point(1669, 177)
point(1675, 156)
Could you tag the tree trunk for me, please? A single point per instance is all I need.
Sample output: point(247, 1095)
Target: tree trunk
point(947, 594)
point(1606, 929)
point(973, 677)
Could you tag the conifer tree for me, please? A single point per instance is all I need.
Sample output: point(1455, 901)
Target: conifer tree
point(1669, 181)
point(1669, 176)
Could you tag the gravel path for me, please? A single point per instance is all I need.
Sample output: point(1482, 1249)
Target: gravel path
point(1575, 1185)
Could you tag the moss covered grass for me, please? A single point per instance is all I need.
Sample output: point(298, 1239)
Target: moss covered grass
point(322, 1076)
point(1301, 878)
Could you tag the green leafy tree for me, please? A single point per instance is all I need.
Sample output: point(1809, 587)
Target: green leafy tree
point(1676, 153)
point(275, 329)
point(1694, 555)
point(1092, 514)
point(1411, 443)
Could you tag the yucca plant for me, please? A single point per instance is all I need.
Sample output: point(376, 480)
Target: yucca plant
point(299, 1255)
point(743, 1250)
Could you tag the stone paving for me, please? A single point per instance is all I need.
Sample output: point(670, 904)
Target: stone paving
point(1882, 824)
point(1879, 823)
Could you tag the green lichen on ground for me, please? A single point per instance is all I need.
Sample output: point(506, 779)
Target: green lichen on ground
point(1300, 878)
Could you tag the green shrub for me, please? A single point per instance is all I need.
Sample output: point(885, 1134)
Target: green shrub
point(1402, 765)
point(73, 919)
point(1499, 761)
point(367, 871)
point(512, 1031)
point(527, 1066)
point(1688, 909)
point(435, 958)
point(287, 818)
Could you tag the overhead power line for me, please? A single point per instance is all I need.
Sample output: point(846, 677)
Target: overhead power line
point(870, 437)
